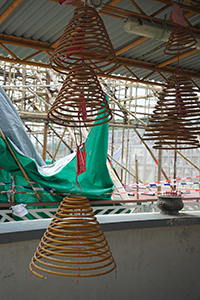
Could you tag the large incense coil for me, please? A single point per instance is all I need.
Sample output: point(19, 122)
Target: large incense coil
point(181, 40)
point(175, 120)
point(81, 89)
point(73, 244)
point(84, 38)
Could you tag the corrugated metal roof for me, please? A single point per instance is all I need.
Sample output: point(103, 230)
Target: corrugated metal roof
point(43, 20)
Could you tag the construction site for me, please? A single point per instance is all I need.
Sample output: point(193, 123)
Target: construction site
point(99, 132)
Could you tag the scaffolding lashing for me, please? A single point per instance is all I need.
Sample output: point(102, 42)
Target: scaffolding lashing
point(85, 37)
point(73, 244)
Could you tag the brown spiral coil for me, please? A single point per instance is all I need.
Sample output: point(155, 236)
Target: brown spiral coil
point(81, 88)
point(84, 38)
point(175, 120)
point(181, 40)
point(73, 244)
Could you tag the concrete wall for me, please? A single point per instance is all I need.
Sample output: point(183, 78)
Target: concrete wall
point(157, 258)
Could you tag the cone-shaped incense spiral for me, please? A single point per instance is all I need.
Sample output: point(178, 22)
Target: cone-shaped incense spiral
point(181, 40)
point(81, 101)
point(84, 38)
point(175, 120)
point(74, 244)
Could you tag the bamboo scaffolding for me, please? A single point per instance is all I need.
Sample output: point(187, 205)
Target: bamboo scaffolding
point(183, 156)
point(19, 164)
point(60, 141)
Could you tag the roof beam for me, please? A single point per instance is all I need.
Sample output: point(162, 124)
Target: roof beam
point(5, 48)
point(131, 45)
point(122, 61)
point(169, 61)
point(10, 9)
point(117, 12)
point(137, 7)
point(22, 42)
point(183, 6)
point(142, 39)
point(47, 66)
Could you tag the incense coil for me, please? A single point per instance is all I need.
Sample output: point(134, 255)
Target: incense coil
point(84, 38)
point(175, 120)
point(73, 244)
point(181, 40)
point(81, 89)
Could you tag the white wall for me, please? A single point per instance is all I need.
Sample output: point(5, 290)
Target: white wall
point(152, 263)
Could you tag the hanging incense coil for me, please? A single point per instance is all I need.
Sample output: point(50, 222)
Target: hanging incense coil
point(181, 40)
point(175, 120)
point(81, 101)
point(73, 244)
point(84, 38)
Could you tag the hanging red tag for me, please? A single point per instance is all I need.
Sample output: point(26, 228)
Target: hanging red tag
point(82, 109)
point(177, 15)
point(79, 35)
point(81, 159)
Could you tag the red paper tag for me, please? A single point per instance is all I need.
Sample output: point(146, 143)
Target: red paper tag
point(82, 109)
point(177, 15)
point(79, 35)
point(81, 159)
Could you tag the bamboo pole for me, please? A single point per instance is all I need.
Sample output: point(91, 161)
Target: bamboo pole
point(122, 154)
point(29, 130)
point(127, 140)
point(129, 112)
point(124, 168)
point(46, 110)
point(159, 167)
point(136, 173)
point(62, 136)
point(151, 153)
point(19, 164)
point(71, 133)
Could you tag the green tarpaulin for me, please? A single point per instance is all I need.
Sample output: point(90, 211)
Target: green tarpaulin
point(95, 183)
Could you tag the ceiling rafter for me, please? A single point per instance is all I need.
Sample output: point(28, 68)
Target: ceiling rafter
point(183, 55)
point(142, 39)
point(10, 52)
point(161, 75)
point(139, 41)
point(122, 61)
point(126, 62)
point(9, 10)
point(48, 66)
point(32, 55)
point(131, 45)
point(160, 10)
point(137, 7)
point(183, 6)
point(22, 42)
point(131, 72)
point(151, 73)
point(120, 12)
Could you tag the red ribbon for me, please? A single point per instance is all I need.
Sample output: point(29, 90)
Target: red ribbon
point(81, 159)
